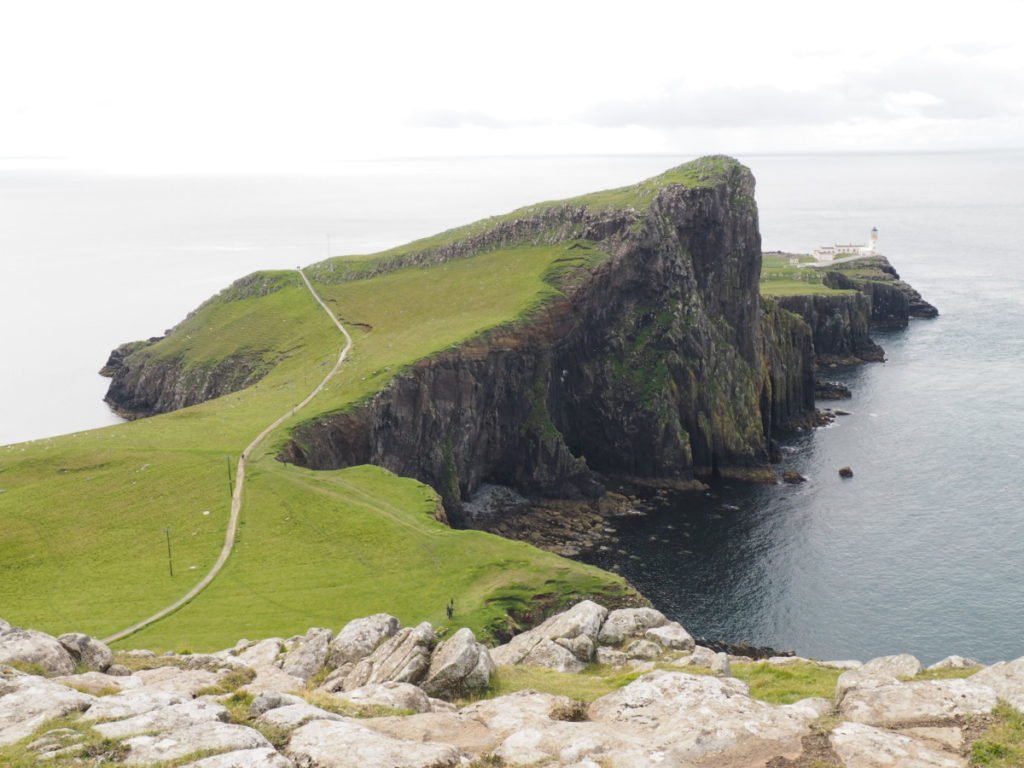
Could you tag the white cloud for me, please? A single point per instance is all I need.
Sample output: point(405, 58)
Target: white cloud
point(228, 85)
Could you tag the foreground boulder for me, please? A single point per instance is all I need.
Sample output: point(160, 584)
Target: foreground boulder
point(93, 653)
point(30, 646)
point(28, 701)
point(344, 743)
point(565, 642)
point(459, 665)
point(403, 658)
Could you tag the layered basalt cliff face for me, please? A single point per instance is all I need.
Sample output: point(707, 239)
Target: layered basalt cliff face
point(893, 301)
point(660, 364)
point(840, 325)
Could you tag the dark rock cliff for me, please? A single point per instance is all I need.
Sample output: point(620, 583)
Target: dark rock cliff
point(840, 325)
point(893, 301)
point(660, 365)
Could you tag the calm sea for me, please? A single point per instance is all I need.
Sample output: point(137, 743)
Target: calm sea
point(922, 551)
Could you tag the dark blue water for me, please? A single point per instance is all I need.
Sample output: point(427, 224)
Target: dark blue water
point(923, 550)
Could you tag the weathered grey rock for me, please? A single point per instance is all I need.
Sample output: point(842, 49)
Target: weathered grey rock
point(900, 665)
point(209, 735)
point(170, 718)
point(4, 625)
point(581, 646)
point(938, 737)
point(699, 657)
point(522, 709)
point(579, 745)
point(27, 701)
point(93, 653)
point(861, 746)
point(644, 650)
point(140, 653)
point(720, 665)
point(261, 757)
point(269, 700)
point(403, 658)
point(955, 662)
point(672, 636)
point(1006, 678)
point(917, 701)
point(99, 683)
point(459, 664)
point(389, 695)
point(540, 646)
point(342, 743)
point(131, 704)
point(118, 670)
point(311, 654)
point(263, 653)
point(610, 657)
point(291, 716)
point(661, 695)
point(186, 682)
point(844, 664)
point(686, 718)
point(361, 637)
point(629, 622)
point(270, 678)
point(858, 679)
point(469, 734)
point(33, 647)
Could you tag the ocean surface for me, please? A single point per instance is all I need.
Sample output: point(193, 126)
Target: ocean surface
point(922, 551)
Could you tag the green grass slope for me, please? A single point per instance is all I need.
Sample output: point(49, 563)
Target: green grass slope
point(85, 518)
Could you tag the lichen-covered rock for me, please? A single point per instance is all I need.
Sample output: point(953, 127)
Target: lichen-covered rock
point(344, 743)
point(292, 716)
point(671, 636)
point(1006, 678)
point(858, 679)
point(93, 653)
point(629, 622)
point(541, 645)
point(403, 658)
point(720, 665)
point(360, 637)
point(309, 656)
point(389, 695)
point(460, 664)
point(917, 701)
point(644, 650)
point(27, 701)
point(686, 718)
point(30, 646)
point(260, 757)
point(169, 718)
point(269, 700)
point(213, 735)
point(862, 746)
point(955, 662)
point(900, 665)
point(98, 683)
point(131, 703)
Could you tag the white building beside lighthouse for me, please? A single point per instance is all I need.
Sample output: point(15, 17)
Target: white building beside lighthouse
point(833, 252)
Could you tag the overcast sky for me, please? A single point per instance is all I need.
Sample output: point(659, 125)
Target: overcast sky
point(307, 86)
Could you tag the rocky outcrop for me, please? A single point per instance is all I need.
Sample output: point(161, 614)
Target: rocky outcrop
point(674, 714)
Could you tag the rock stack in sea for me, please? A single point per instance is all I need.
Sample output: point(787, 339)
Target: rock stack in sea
point(379, 695)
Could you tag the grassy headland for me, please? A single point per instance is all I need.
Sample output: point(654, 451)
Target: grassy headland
point(85, 518)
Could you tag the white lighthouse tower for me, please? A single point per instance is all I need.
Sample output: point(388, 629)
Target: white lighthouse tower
point(873, 245)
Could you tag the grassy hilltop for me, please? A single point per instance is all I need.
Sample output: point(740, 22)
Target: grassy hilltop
point(83, 517)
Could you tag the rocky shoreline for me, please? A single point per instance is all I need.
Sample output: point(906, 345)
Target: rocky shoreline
point(379, 695)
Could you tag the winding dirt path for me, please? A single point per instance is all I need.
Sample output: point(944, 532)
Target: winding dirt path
point(236, 498)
